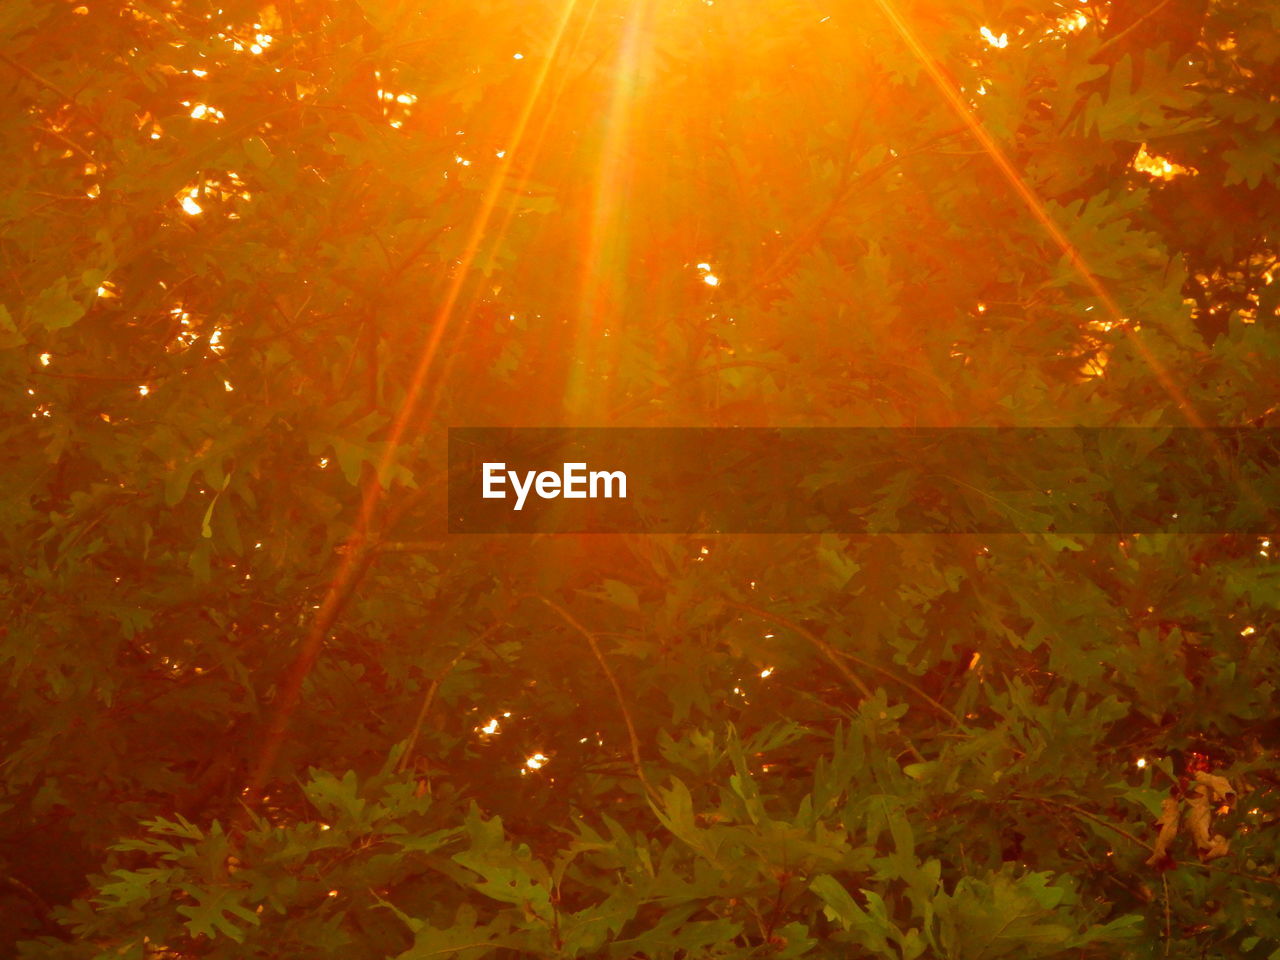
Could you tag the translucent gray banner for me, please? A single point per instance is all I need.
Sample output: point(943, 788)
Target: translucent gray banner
point(864, 480)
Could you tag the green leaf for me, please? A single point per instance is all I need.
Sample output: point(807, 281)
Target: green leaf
point(258, 152)
point(55, 308)
point(215, 913)
point(621, 594)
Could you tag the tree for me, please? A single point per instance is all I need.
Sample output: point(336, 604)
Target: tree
point(257, 257)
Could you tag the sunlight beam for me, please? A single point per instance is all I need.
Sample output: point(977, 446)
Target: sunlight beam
point(1035, 206)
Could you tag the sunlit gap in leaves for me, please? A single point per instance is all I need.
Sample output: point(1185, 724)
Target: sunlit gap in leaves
point(998, 42)
point(1159, 168)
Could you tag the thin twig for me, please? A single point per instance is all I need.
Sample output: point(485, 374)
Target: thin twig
point(71, 145)
point(1168, 915)
point(823, 647)
point(810, 234)
point(834, 655)
point(38, 905)
point(36, 78)
point(1108, 44)
point(412, 741)
point(69, 99)
point(590, 637)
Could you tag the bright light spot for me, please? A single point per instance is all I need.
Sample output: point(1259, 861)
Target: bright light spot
point(500, 154)
point(227, 384)
point(491, 727)
point(1157, 167)
point(324, 826)
point(1248, 631)
point(1071, 23)
point(199, 73)
point(333, 893)
point(406, 98)
point(536, 762)
point(704, 551)
point(143, 390)
point(704, 266)
point(93, 192)
point(191, 207)
point(767, 671)
point(45, 358)
point(324, 462)
point(517, 56)
point(202, 111)
point(711, 280)
point(999, 42)
point(215, 340)
point(973, 661)
point(1142, 762)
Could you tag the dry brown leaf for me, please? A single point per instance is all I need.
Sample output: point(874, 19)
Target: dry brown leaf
point(1199, 818)
point(1168, 824)
point(1220, 786)
point(1218, 847)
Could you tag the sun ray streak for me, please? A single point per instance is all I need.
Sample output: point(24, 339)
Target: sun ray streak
point(1036, 207)
point(359, 553)
point(528, 166)
point(1060, 239)
point(604, 251)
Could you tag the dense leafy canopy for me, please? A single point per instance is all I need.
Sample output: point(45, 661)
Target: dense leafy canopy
point(255, 258)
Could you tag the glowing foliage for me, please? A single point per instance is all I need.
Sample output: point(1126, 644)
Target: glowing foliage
point(256, 257)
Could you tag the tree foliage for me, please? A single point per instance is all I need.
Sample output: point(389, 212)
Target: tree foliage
point(256, 258)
